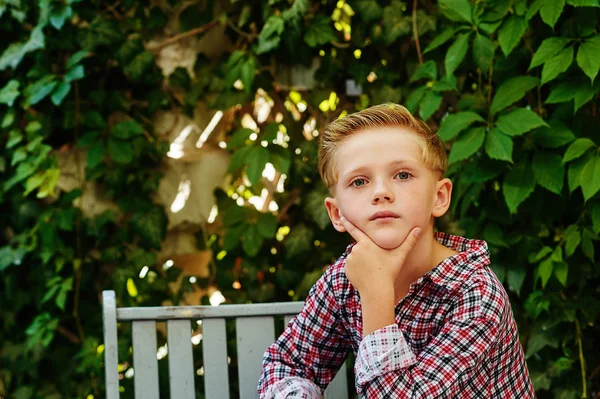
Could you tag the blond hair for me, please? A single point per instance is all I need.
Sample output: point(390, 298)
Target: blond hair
point(433, 152)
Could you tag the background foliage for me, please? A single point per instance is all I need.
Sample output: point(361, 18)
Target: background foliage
point(511, 84)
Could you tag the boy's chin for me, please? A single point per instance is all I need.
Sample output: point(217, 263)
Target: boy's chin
point(387, 242)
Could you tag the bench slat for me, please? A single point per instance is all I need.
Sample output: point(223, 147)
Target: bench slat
point(145, 364)
point(207, 312)
point(338, 388)
point(111, 361)
point(214, 349)
point(181, 362)
point(254, 335)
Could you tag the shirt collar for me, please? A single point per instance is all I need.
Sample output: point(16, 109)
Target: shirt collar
point(453, 271)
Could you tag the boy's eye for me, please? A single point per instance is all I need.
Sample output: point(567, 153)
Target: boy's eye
point(358, 182)
point(403, 175)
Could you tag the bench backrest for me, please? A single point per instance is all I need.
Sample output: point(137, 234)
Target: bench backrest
point(255, 331)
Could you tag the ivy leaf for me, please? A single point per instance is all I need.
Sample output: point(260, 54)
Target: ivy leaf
point(590, 183)
point(239, 138)
point(483, 52)
point(572, 239)
point(545, 271)
point(256, 159)
point(395, 23)
point(562, 92)
point(533, 9)
point(37, 91)
point(267, 225)
point(298, 241)
point(588, 56)
point(280, 158)
point(553, 136)
point(440, 39)
point(456, 10)
point(150, 225)
point(511, 32)
point(238, 159)
point(127, 129)
point(512, 91)
point(101, 32)
point(577, 149)
point(12, 56)
point(595, 215)
point(120, 151)
point(429, 104)
point(574, 172)
point(139, 66)
point(583, 3)
point(499, 146)
point(519, 121)
point(75, 73)
point(247, 72)
point(428, 71)
point(316, 210)
point(9, 93)
point(467, 144)
point(455, 123)
point(95, 154)
point(368, 10)
point(551, 10)
point(585, 93)
point(515, 279)
point(60, 93)
point(548, 49)
point(59, 14)
point(456, 53)
point(587, 245)
point(251, 240)
point(549, 171)
point(270, 35)
point(414, 98)
point(319, 32)
point(519, 183)
point(556, 65)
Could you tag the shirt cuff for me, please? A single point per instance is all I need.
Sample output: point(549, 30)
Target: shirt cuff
point(383, 351)
point(293, 387)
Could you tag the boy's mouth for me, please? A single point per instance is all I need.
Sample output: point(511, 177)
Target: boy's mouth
point(384, 215)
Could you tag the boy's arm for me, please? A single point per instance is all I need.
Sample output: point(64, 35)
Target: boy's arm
point(387, 367)
point(313, 347)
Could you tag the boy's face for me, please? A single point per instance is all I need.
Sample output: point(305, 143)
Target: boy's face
point(384, 188)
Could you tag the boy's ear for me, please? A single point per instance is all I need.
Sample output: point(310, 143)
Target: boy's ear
point(334, 213)
point(443, 194)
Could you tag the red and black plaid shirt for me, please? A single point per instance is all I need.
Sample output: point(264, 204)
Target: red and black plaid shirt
point(455, 337)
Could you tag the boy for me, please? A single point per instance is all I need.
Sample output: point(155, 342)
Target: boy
point(422, 311)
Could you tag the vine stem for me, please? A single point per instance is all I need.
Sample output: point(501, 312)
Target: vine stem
point(581, 360)
point(77, 263)
point(183, 35)
point(416, 32)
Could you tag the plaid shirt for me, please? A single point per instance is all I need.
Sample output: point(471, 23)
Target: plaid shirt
point(455, 336)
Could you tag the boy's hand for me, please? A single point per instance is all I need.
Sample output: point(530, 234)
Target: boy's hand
point(372, 269)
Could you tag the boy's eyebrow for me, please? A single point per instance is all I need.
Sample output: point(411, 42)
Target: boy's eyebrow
point(397, 163)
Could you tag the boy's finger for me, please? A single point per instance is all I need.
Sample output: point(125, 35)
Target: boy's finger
point(353, 230)
point(410, 242)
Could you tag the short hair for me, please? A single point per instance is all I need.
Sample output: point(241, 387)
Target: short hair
point(433, 153)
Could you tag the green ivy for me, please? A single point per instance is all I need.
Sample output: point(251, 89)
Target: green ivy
point(511, 85)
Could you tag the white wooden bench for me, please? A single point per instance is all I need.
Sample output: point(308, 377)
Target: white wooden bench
point(255, 331)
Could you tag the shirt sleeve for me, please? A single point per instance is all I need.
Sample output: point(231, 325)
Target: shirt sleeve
point(387, 367)
point(312, 348)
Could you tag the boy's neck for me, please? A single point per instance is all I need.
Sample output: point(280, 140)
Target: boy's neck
point(426, 255)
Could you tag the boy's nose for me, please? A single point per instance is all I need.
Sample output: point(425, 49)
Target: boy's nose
point(382, 193)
